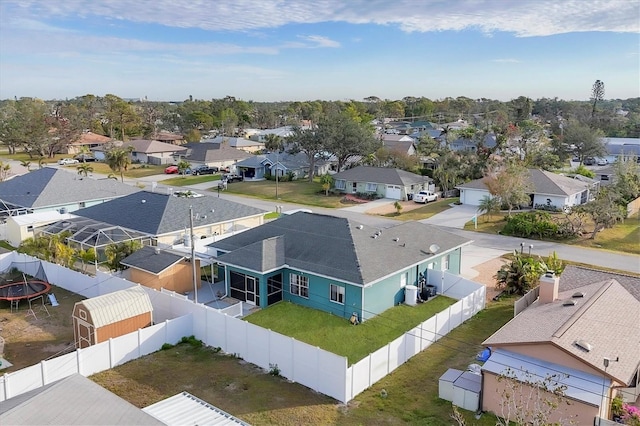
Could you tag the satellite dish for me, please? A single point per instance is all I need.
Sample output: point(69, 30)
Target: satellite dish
point(433, 248)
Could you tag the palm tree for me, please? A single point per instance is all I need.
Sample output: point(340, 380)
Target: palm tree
point(489, 205)
point(273, 142)
point(86, 257)
point(84, 169)
point(118, 159)
point(26, 164)
point(84, 150)
point(117, 252)
point(183, 166)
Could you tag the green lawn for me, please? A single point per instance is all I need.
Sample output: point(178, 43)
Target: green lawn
point(425, 211)
point(298, 192)
point(337, 335)
point(186, 180)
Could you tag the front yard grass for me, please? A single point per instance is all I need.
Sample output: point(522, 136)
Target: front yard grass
point(186, 180)
point(261, 399)
point(623, 237)
point(297, 192)
point(340, 337)
point(425, 211)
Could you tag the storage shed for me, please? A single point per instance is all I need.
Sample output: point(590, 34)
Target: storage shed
point(466, 391)
point(445, 383)
point(100, 318)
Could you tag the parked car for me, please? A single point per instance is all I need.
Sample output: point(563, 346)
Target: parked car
point(67, 161)
point(589, 161)
point(602, 162)
point(86, 158)
point(171, 170)
point(232, 177)
point(425, 197)
point(204, 170)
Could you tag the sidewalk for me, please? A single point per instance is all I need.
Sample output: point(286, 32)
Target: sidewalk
point(369, 205)
point(455, 217)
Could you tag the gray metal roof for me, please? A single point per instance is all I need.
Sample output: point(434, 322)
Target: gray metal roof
point(212, 152)
point(286, 161)
point(54, 187)
point(158, 214)
point(74, 400)
point(151, 259)
point(542, 182)
point(335, 247)
point(186, 409)
point(382, 175)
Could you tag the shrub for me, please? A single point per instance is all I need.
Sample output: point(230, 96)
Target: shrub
point(274, 370)
point(530, 224)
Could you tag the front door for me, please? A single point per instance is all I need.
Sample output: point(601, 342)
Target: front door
point(354, 187)
point(251, 290)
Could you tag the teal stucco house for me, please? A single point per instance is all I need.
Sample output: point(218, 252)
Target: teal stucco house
point(333, 264)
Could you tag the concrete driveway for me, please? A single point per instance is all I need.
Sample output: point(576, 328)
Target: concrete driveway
point(455, 217)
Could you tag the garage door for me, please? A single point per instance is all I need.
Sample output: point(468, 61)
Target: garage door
point(394, 192)
point(472, 197)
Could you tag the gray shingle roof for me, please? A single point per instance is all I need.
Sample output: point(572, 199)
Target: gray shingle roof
point(542, 182)
point(74, 400)
point(151, 259)
point(212, 152)
point(336, 247)
point(53, 187)
point(383, 175)
point(574, 277)
point(158, 214)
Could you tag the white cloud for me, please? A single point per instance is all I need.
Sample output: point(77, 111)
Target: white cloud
point(523, 17)
point(506, 61)
point(320, 41)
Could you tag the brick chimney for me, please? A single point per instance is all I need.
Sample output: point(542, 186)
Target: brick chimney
point(549, 284)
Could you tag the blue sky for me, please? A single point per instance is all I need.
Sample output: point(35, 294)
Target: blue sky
point(280, 50)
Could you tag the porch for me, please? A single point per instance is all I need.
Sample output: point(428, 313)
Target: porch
point(213, 296)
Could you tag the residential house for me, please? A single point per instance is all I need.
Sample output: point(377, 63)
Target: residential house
point(167, 217)
point(168, 137)
point(283, 132)
point(384, 182)
point(219, 155)
point(156, 268)
point(402, 144)
point(145, 151)
point(580, 335)
point(464, 144)
point(51, 189)
point(243, 144)
point(547, 190)
point(20, 227)
point(622, 149)
point(284, 164)
point(87, 140)
point(333, 264)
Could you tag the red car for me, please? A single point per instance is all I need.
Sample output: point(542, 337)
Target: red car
point(171, 170)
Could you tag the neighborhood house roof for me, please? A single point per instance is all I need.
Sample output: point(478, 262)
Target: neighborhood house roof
point(234, 142)
point(117, 306)
point(213, 152)
point(542, 182)
point(54, 187)
point(151, 259)
point(604, 305)
point(336, 247)
point(147, 146)
point(186, 409)
point(158, 214)
point(74, 400)
point(381, 175)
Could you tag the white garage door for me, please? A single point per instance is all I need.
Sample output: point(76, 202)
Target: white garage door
point(472, 197)
point(394, 192)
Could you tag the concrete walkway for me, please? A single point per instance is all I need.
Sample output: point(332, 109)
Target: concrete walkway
point(455, 217)
point(370, 205)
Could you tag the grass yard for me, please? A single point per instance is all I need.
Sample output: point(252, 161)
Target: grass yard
point(261, 399)
point(623, 237)
point(337, 335)
point(423, 212)
point(186, 180)
point(298, 192)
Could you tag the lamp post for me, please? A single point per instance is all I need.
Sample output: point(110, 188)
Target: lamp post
point(530, 247)
point(277, 161)
point(193, 256)
point(522, 248)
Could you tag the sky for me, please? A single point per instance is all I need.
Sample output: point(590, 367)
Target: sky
point(291, 50)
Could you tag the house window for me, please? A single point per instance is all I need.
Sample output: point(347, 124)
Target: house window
point(299, 285)
point(336, 294)
point(30, 228)
point(341, 184)
point(371, 187)
point(82, 204)
point(82, 314)
point(403, 279)
point(445, 263)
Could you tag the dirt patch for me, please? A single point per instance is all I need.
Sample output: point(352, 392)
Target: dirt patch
point(390, 208)
point(28, 339)
point(486, 273)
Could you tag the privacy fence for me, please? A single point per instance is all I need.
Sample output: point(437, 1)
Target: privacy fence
point(176, 316)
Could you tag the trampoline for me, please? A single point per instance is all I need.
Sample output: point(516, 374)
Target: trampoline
point(23, 290)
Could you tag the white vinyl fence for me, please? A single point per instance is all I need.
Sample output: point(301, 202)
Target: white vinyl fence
point(311, 366)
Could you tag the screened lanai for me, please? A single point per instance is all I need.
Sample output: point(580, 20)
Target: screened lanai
point(88, 233)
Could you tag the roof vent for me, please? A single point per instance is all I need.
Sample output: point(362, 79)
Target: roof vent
point(360, 226)
point(156, 250)
point(374, 236)
point(577, 295)
point(584, 345)
point(569, 302)
point(396, 239)
point(143, 201)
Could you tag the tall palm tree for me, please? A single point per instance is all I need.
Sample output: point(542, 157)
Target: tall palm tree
point(489, 205)
point(118, 159)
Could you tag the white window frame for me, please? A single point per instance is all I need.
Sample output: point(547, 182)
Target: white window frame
point(404, 277)
point(445, 263)
point(371, 187)
point(341, 184)
point(299, 285)
point(336, 296)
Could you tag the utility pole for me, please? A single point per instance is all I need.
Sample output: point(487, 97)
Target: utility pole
point(277, 160)
point(193, 256)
